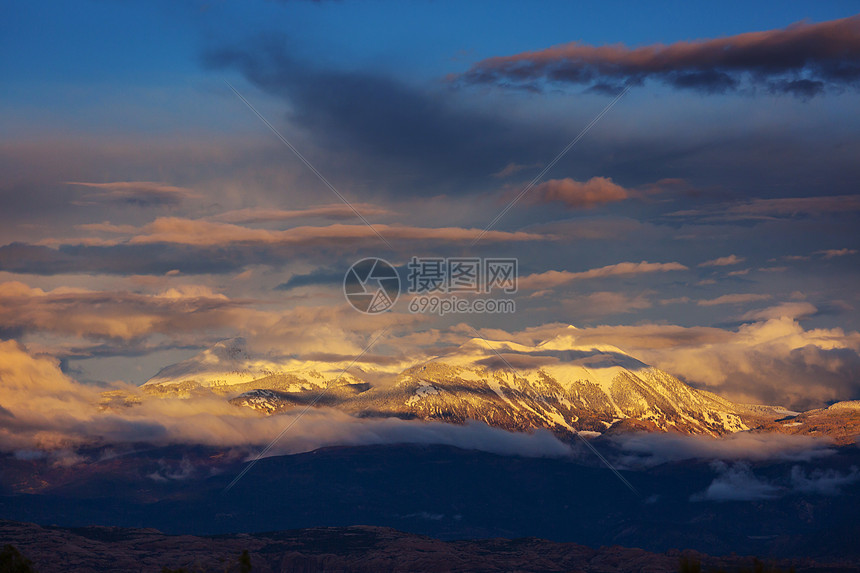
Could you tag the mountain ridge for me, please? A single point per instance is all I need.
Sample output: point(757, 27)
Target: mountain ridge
point(555, 385)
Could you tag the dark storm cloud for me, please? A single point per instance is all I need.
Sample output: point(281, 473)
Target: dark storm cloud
point(802, 60)
point(423, 132)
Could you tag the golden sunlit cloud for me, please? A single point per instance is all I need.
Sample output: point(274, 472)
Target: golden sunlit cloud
point(553, 279)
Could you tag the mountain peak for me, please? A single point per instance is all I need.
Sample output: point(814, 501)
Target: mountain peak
point(555, 384)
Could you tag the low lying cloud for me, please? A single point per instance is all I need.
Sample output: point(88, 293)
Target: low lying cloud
point(737, 482)
point(45, 409)
point(822, 481)
point(803, 60)
point(647, 450)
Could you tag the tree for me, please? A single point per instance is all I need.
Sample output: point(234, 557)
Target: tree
point(245, 562)
point(11, 561)
point(690, 566)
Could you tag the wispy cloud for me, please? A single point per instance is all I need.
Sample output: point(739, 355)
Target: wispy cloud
point(793, 310)
point(552, 279)
point(833, 253)
point(739, 298)
point(513, 168)
point(723, 261)
point(768, 209)
point(330, 211)
point(142, 193)
point(204, 233)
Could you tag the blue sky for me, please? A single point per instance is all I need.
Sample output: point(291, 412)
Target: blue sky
point(63, 61)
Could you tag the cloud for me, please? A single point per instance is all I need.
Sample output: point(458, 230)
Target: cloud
point(553, 279)
point(792, 310)
point(822, 481)
point(79, 323)
point(423, 137)
point(833, 253)
point(330, 211)
point(126, 259)
point(648, 450)
point(579, 195)
point(47, 408)
point(143, 193)
point(320, 276)
point(736, 482)
point(773, 360)
point(804, 60)
point(599, 191)
point(114, 315)
point(173, 472)
point(44, 408)
point(198, 246)
point(770, 209)
point(723, 261)
point(740, 298)
point(202, 233)
point(513, 168)
point(604, 303)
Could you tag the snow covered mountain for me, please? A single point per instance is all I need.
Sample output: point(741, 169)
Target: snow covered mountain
point(557, 385)
point(228, 368)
